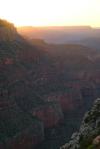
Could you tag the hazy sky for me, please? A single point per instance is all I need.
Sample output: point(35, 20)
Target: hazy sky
point(51, 12)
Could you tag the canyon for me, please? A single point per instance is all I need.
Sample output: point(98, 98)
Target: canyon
point(45, 89)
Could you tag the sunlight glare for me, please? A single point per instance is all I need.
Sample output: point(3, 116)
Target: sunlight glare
point(51, 12)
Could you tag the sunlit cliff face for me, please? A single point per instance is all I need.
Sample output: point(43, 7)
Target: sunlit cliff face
point(51, 12)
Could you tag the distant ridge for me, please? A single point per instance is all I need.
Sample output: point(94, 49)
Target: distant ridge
point(84, 35)
point(56, 27)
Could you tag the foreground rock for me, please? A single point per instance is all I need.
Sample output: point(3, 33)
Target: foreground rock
point(88, 136)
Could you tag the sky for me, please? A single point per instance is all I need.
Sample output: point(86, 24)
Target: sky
point(51, 12)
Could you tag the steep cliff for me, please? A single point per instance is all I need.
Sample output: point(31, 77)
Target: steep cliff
point(18, 128)
point(88, 136)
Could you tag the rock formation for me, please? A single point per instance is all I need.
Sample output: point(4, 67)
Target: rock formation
point(88, 136)
point(7, 31)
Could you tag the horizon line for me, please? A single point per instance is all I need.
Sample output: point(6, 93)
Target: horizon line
point(68, 26)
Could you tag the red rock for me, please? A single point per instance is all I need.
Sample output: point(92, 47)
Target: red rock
point(50, 115)
point(8, 61)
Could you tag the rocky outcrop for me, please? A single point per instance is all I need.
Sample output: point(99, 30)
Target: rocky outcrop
point(88, 136)
point(7, 31)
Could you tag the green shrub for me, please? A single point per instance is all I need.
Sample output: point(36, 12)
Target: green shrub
point(90, 147)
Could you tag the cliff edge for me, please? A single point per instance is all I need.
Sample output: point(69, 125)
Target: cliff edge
point(88, 136)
